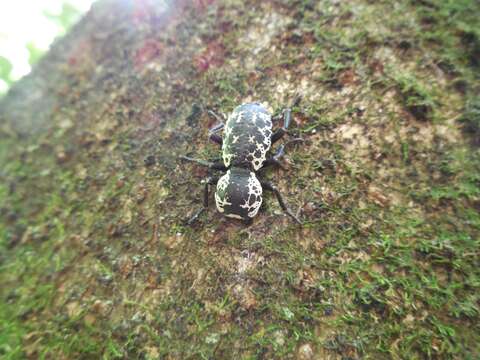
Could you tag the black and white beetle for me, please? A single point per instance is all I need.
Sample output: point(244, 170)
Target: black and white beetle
point(247, 139)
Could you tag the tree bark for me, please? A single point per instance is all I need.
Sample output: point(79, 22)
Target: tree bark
point(96, 258)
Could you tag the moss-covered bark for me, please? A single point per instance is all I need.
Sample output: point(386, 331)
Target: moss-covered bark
point(96, 260)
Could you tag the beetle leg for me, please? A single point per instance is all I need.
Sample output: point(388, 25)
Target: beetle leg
point(216, 138)
point(275, 159)
point(208, 181)
point(214, 130)
point(215, 165)
point(287, 118)
point(279, 133)
point(217, 128)
point(220, 119)
point(270, 162)
point(277, 117)
point(273, 188)
point(279, 153)
point(295, 141)
point(248, 222)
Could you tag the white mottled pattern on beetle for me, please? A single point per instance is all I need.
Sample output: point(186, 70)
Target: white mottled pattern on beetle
point(221, 199)
point(254, 200)
point(239, 195)
point(247, 135)
point(234, 216)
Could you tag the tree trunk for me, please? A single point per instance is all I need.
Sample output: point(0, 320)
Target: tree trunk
point(96, 257)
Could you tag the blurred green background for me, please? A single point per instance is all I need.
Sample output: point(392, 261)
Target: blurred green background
point(28, 28)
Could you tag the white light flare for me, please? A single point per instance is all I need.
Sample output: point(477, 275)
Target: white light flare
point(23, 22)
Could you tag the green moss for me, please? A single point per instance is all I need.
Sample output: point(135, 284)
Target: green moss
point(452, 27)
point(11, 334)
point(97, 262)
point(416, 98)
point(470, 119)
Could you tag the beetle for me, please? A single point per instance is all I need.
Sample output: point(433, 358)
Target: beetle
point(246, 143)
